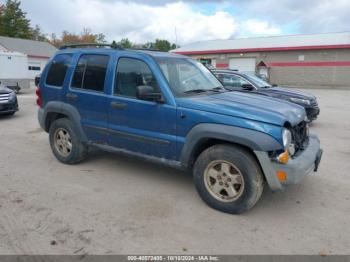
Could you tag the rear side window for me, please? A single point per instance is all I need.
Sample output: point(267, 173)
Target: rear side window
point(90, 72)
point(58, 70)
point(130, 74)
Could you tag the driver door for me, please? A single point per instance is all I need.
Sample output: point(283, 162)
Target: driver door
point(136, 125)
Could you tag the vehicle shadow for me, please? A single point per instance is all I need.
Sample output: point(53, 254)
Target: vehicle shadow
point(270, 202)
point(139, 167)
point(7, 117)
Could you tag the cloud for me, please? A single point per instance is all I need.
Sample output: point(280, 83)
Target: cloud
point(311, 16)
point(162, 2)
point(194, 20)
point(259, 28)
point(139, 22)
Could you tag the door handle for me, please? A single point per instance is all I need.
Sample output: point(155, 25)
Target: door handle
point(119, 106)
point(71, 96)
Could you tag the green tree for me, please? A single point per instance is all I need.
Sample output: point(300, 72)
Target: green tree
point(14, 22)
point(2, 8)
point(162, 45)
point(37, 35)
point(125, 43)
point(101, 38)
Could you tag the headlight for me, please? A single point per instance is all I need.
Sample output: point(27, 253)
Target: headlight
point(300, 101)
point(286, 137)
point(288, 146)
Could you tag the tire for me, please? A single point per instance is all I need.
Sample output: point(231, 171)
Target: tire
point(228, 178)
point(65, 142)
point(10, 114)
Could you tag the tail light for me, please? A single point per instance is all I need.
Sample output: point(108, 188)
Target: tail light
point(39, 101)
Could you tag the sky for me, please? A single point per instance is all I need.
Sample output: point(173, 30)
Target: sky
point(184, 22)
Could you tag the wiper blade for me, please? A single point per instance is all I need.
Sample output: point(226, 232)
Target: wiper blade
point(217, 89)
point(196, 91)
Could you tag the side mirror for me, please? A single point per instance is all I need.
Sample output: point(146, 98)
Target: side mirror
point(147, 93)
point(248, 87)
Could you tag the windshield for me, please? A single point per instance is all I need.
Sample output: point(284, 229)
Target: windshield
point(258, 81)
point(187, 76)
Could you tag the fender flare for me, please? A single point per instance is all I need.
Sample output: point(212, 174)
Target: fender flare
point(255, 140)
point(66, 109)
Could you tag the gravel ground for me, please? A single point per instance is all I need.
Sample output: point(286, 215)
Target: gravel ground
point(111, 204)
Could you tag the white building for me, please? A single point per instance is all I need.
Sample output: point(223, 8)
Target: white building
point(36, 52)
point(315, 60)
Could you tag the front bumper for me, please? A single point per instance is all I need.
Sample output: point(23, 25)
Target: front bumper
point(296, 168)
point(7, 108)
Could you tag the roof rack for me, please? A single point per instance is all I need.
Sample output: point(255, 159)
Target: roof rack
point(113, 45)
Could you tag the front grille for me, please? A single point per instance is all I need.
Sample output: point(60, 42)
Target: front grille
point(4, 98)
point(300, 136)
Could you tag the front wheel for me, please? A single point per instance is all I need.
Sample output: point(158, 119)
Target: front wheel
point(228, 178)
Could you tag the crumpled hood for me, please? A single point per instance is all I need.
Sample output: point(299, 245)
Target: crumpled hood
point(4, 90)
point(249, 106)
point(290, 93)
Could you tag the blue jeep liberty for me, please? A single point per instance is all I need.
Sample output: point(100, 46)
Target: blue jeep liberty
point(170, 109)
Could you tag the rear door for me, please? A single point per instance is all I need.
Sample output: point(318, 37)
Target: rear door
point(140, 126)
point(87, 93)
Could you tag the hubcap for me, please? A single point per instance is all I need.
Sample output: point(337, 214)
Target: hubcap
point(224, 181)
point(63, 142)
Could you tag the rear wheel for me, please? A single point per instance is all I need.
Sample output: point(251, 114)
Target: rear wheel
point(228, 178)
point(65, 143)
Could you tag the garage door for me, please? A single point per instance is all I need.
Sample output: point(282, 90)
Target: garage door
point(244, 65)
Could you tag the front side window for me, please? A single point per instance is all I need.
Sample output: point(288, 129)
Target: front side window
point(58, 69)
point(187, 76)
point(90, 72)
point(130, 74)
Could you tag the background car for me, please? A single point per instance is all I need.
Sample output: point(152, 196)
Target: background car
point(249, 83)
point(8, 101)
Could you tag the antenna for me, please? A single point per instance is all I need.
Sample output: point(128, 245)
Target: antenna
point(175, 37)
